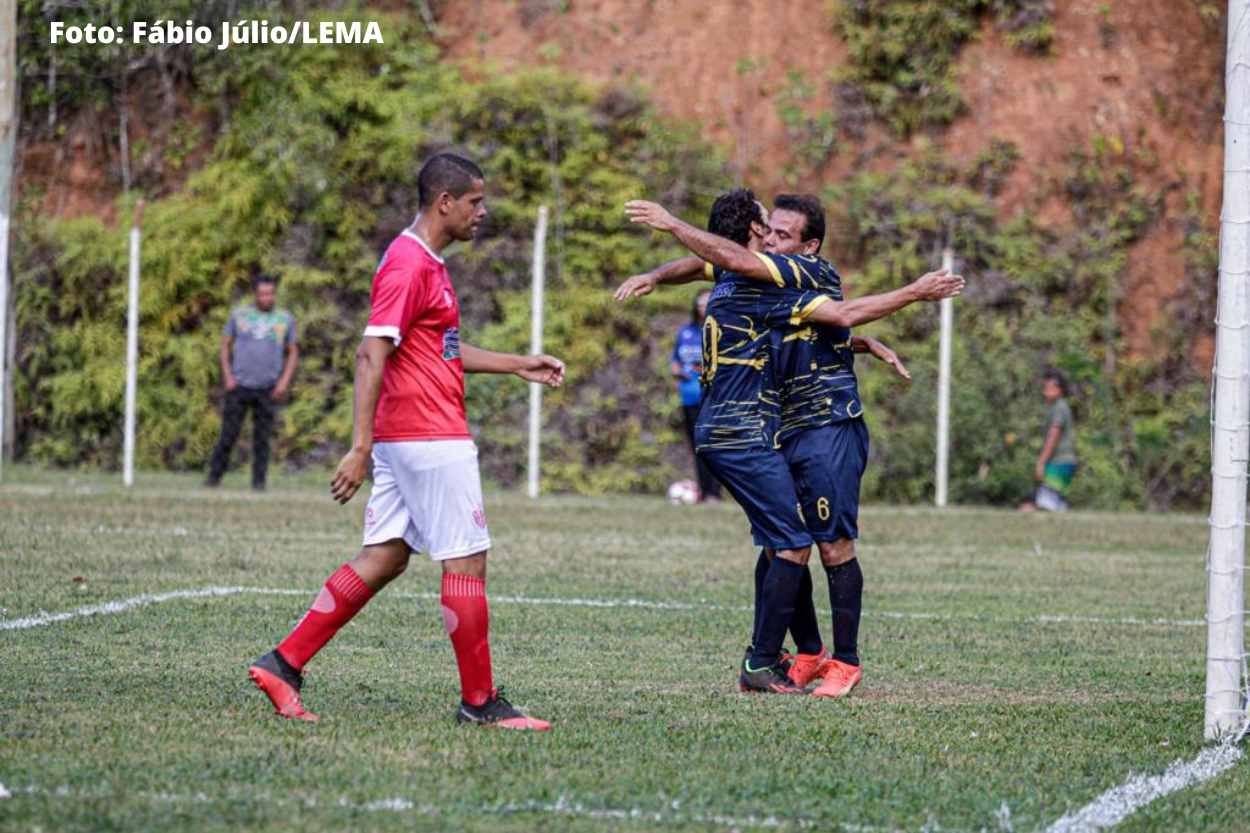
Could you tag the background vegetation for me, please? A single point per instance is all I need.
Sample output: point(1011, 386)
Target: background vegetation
point(304, 164)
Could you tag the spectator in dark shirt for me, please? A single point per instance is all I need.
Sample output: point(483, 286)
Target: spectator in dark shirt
point(687, 365)
point(259, 352)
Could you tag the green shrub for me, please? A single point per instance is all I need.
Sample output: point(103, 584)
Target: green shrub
point(312, 177)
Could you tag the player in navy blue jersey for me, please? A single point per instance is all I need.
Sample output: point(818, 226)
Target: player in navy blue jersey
point(789, 395)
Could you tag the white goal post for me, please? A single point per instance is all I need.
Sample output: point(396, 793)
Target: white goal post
point(533, 478)
point(1226, 709)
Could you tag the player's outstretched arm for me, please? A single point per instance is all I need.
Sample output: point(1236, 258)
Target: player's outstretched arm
point(682, 270)
point(717, 250)
point(933, 286)
point(371, 357)
point(546, 370)
point(868, 344)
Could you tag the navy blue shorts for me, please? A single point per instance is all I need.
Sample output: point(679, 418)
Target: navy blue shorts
point(760, 480)
point(827, 465)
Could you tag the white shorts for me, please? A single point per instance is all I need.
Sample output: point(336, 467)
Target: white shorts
point(427, 492)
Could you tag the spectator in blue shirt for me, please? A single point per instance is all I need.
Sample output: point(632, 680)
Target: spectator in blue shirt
point(687, 365)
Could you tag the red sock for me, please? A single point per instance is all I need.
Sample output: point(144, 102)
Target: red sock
point(342, 598)
point(467, 620)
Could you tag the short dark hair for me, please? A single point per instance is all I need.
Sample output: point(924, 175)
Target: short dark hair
point(263, 277)
point(1054, 374)
point(446, 172)
point(811, 209)
point(732, 215)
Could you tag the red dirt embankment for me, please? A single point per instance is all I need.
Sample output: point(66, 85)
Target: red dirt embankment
point(1146, 74)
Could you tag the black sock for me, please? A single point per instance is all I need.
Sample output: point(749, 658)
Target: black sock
point(804, 627)
point(781, 588)
point(761, 570)
point(846, 594)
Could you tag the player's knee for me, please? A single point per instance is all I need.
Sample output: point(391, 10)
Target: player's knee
point(470, 565)
point(796, 556)
point(833, 553)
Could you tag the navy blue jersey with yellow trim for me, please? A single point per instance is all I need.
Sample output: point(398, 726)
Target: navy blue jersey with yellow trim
point(815, 367)
point(741, 403)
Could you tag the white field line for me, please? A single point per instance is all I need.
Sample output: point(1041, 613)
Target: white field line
point(339, 538)
point(145, 599)
point(1118, 803)
point(562, 806)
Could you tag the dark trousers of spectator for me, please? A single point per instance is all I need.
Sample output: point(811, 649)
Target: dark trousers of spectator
point(238, 401)
point(708, 485)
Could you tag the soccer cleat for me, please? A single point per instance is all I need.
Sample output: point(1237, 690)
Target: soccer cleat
point(840, 678)
point(497, 711)
point(808, 667)
point(769, 680)
point(281, 683)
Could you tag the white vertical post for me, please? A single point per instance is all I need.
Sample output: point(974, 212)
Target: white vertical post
point(1230, 428)
point(536, 346)
point(4, 321)
point(132, 350)
point(8, 165)
point(942, 475)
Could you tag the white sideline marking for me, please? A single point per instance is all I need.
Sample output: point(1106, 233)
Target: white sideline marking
point(4, 793)
point(1118, 803)
point(123, 605)
point(671, 815)
point(145, 599)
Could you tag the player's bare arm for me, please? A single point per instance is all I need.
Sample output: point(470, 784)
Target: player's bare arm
point(288, 372)
point(1048, 449)
point(227, 376)
point(680, 271)
point(371, 357)
point(933, 286)
point(713, 248)
point(868, 344)
point(546, 370)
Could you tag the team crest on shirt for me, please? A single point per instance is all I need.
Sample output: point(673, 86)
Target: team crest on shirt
point(479, 517)
point(451, 343)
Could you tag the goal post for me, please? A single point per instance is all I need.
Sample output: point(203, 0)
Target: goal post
point(534, 462)
point(132, 350)
point(941, 477)
point(1226, 709)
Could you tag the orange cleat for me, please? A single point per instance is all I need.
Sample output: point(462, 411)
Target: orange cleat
point(497, 711)
point(808, 667)
point(281, 684)
point(840, 678)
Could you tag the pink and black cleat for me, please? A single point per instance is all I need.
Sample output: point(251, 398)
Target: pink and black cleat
point(281, 684)
point(497, 711)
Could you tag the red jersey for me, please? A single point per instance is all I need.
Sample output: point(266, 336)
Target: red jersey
point(413, 304)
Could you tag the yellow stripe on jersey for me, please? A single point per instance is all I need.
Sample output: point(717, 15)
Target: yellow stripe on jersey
point(757, 362)
point(798, 316)
point(709, 271)
point(794, 270)
point(772, 268)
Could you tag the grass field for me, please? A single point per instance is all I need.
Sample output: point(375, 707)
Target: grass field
point(1015, 669)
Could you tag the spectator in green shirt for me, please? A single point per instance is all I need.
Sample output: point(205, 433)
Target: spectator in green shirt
point(259, 352)
point(1056, 464)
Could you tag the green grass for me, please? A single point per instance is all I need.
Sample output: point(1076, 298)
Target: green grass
point(971, 701)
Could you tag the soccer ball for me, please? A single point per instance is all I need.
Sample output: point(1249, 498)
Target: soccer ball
point(683, 493)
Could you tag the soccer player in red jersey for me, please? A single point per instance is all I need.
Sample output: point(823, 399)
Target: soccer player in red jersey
point(410, 419)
